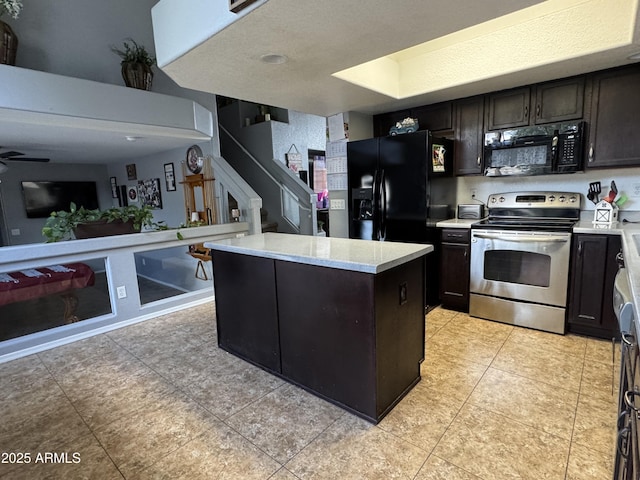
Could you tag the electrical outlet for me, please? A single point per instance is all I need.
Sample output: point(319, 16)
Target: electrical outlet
point(635, 190)
point(122, 291)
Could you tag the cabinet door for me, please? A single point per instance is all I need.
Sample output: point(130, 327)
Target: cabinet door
point(469, 134)
point(454, 270)
point(435, 118)
point(509, 108)
point(560, 101)
point(615, 121)
point(246, 308)
point(592, 272)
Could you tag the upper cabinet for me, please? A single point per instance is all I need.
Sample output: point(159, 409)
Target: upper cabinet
point(508, 109)
point(615, 119)
point(437, 118)
point(384, 121)
point(469, 133)
point(608, 101)
point(556, 101)
point(559, 101)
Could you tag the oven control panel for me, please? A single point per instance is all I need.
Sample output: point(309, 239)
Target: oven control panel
point(535, 199)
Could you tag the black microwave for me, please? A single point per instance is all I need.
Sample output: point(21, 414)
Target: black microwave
point(537, 150)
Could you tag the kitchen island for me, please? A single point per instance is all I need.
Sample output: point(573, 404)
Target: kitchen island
point(342, 318)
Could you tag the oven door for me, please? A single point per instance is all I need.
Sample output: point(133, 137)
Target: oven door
point(521, 265)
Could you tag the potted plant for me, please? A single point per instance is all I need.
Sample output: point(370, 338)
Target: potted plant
point(83, 223)
point(8, 39)
point(136, 64)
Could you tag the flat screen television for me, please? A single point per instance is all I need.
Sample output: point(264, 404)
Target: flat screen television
point(41, 197)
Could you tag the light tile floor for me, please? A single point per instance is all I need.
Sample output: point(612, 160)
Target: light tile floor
point(159, 400)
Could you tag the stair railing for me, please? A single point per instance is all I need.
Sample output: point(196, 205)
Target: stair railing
point(228, 181)
point(296, 201)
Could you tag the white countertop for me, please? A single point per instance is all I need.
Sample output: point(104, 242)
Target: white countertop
point(346, 254)
point(457, 223)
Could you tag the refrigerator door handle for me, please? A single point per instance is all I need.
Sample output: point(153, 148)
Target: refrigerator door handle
point(375, 234)
point(383, 206)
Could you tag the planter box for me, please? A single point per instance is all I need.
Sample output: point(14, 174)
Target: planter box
point(103, 228)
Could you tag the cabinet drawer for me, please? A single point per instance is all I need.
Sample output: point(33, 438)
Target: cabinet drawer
point(455, 235)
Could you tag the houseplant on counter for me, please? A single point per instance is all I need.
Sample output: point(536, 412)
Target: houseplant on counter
point(83, 223)
point(8, 39)
point(136, 64)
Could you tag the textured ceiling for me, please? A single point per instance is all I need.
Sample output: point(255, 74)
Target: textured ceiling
point(466, 52)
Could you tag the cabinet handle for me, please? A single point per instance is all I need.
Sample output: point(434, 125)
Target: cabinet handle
point(579, 249)
point(628, 339)
point(538, 111)
point(623, 436)
point(526, 112)
point(454, 294)
point(465, 254)
point(591, 152)
point(478, 161)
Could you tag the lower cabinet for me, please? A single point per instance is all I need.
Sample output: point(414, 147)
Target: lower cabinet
point(593, 270)
point(353, 338)
point(454, 269)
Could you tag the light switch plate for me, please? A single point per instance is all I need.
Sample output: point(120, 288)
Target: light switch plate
point(122, 292)
point(338, 204)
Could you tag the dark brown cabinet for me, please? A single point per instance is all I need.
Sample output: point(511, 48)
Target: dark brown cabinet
point(509, 108)
point(353, 338)
point(559, 101)
point(248, 328)
point(593, 270)
point(437, 118)
point(383, 122)
point(556, 101)
point(615, 119)
point(454, 269)
point(469, 136)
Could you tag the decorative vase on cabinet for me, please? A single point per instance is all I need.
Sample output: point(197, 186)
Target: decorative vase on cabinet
point(8, 44)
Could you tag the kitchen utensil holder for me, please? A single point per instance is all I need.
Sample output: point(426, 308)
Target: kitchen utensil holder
point(605, 213)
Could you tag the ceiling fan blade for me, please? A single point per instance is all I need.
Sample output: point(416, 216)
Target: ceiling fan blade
point(27, 159)
point(10, 154)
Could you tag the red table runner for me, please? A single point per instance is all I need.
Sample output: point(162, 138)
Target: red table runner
point(38, 282)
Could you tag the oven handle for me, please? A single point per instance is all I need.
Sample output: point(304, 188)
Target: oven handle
point(521, 238)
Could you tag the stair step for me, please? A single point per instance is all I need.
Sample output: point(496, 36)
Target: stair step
point(269, 227)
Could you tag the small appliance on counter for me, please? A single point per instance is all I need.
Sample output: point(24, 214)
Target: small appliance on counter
point(470, 211)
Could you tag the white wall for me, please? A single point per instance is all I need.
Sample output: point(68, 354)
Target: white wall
point(625, 179)
point(74, 38)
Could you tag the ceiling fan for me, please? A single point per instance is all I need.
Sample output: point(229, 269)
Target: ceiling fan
point(18, 157)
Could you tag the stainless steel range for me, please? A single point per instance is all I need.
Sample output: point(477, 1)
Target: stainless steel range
point(520, 259)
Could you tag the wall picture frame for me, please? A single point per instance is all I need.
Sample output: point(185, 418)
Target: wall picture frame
point(169, 177)
point(149, 193)
point(131, 172)
point(114, 187)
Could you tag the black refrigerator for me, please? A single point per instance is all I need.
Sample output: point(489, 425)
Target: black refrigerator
point(399, 188)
